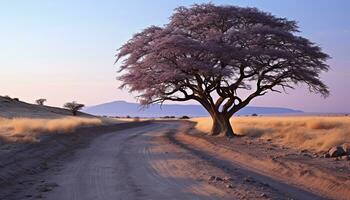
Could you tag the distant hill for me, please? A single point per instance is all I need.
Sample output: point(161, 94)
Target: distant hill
point(12, 107)
point(123, 108)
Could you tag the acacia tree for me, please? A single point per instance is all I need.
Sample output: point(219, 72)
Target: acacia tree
point(216, 55)
point(40, 102)
point(74, 107)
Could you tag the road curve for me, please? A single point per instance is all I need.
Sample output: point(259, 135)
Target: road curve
point(118, 165)
point(143, 163)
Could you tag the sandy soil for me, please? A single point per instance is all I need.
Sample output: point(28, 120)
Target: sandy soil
point(163, 160)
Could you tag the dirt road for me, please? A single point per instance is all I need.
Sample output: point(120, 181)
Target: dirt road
point(125, 165)
point(148, 162)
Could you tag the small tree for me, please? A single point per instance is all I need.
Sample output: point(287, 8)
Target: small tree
point(221, 56)
point(74, 107)
point(40, 101)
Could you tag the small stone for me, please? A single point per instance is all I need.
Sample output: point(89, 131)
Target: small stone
point(346, 148)
point(336, 151)
point(346, 157)
point(307, 155)
point(263, 195)
point(248, 179)
point(229, 186)
point(215, 178)
point(303, 172)
point(228, 179)
point(211, 178)
point(303, 151)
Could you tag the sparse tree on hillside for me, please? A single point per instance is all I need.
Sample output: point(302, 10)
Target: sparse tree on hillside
point(74, 107)
point(221, 56)
point(40, 101)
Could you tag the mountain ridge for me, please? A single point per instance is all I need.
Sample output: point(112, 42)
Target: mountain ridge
point(124, 108)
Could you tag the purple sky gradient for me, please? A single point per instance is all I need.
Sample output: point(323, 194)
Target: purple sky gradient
point(64, 50)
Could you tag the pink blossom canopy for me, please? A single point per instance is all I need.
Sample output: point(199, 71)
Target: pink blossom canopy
point(209, 51)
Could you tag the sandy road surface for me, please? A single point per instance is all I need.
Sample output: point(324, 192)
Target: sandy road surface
point(120, 166)
point(148, 163)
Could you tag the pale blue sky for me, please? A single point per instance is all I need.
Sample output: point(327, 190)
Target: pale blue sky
point(64, 50)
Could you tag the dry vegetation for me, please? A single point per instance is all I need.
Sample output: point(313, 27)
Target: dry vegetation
point(315, 133)
point(27, 129)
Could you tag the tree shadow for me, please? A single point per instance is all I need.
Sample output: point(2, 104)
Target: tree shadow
point(227, 166)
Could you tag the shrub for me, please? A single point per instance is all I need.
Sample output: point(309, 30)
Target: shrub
point(8, 97)
point(168, 117)
point(185, 117)
point(74, 107)
point(40, 102)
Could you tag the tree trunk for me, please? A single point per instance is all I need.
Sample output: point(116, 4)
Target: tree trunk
point(216, 128)
point(221, 126)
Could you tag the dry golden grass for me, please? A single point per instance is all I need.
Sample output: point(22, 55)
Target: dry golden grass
point(316, 133)
point(27, 129)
